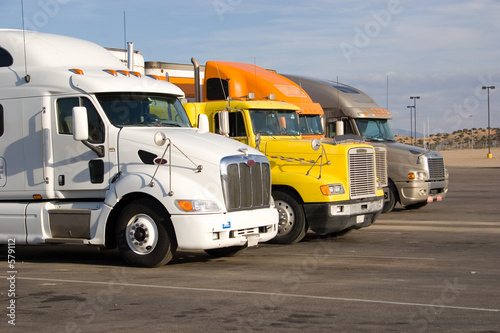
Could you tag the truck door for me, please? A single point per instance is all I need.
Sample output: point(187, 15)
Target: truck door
point(76, 167)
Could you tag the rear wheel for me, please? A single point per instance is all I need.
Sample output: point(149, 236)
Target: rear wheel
point(292, 222)
point(145, 235)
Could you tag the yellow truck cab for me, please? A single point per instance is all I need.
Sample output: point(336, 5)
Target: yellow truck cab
point(329, 188)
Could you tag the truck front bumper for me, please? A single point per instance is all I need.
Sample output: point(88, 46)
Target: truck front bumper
point(326, 218)
point(210, 231)
point(415, 192)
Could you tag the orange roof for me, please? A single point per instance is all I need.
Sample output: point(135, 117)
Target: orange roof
point(246, 78)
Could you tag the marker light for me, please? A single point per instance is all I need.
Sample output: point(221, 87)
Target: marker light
point(76, 71)
point(111, 71)
point(185, 205)
point(157, 77)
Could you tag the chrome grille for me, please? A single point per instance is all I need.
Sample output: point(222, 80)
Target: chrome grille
point(381, 161)
point(436, 168)
point(362, 179)
point(246, 182)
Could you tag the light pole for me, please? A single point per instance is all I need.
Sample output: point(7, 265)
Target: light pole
point(414, 98)
point(489, 127)
point(471, 116)
point(411, 124)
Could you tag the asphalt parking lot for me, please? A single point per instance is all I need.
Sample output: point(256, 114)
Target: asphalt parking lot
point(430, 270)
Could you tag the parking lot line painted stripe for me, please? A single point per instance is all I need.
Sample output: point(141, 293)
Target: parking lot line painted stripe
point(351, 256)
point(445, 223)
point(245, 292)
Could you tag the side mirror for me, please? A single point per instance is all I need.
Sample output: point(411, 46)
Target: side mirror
point(315, 144)
point(203, 123)
point(80, 123)
point(224, 123)
point(258, 140)
point(339, 127)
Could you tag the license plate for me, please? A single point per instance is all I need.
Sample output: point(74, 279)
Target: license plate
point(252, 240)
point(360, 219)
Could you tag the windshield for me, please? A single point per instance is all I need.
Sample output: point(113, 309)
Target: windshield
point(275, 122)
point(375, 130)
point(310, 125)
point(136, 109)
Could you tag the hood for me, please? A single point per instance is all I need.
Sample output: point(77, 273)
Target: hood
point(201, 148)
point(401, 148)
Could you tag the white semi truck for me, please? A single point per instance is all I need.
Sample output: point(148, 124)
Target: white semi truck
point(416, 176)
point(91, 153)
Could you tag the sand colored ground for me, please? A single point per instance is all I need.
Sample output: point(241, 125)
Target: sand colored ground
point(471, 158)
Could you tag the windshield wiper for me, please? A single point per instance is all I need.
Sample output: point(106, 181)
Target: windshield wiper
point(169, 124)
point(373, 138)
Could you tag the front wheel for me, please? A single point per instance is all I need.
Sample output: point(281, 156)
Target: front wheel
point(145, 235)
point(292, 222)
point(393, 198)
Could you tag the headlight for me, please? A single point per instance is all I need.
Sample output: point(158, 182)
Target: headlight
point(332, 189)
point(197, 205)
point(418, 175)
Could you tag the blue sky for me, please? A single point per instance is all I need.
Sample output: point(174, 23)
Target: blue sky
point(442, 51)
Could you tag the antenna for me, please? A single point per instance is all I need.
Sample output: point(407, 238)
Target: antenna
point(27, 77)
point(124, 30)
point(301, 97)
point(338, 92)
point(387, 96)
point(220, 80)
point(255, 68)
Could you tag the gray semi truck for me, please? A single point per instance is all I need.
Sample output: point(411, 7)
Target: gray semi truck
point(416, 175)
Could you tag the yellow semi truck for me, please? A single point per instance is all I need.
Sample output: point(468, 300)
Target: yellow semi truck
point(330, 189)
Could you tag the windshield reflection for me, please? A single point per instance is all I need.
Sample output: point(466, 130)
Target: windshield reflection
point(275, 122)
point(135, 109)
point(375, 130)
point(310, 125)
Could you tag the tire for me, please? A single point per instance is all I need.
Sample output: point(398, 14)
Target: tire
point(230, 251)
point(416, 205)
point(292, 225)
point(393, 198)
point(144, 234)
